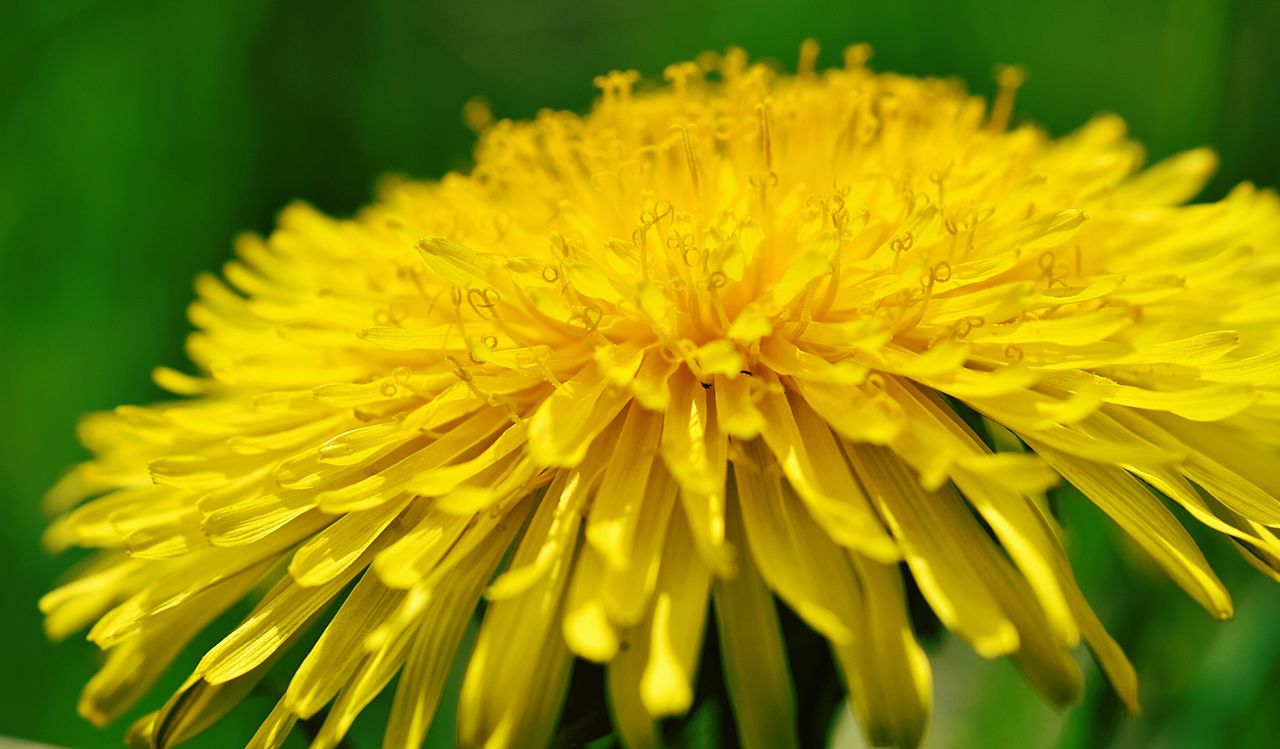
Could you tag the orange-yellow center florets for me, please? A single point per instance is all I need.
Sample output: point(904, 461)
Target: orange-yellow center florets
point(712, 224)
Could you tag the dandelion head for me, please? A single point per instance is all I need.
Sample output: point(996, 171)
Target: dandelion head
point(733, 338)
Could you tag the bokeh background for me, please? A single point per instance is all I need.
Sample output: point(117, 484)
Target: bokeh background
point(136, 138)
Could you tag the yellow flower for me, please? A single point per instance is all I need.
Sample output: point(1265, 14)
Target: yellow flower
point(740, 335)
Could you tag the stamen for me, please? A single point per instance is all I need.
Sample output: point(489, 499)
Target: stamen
point(1051, 271)
point(661, 209)
point(477, 114)
point(732, 63)
point(1009, 78)
point(762, 183)
point(680, 75)
point(688, 352)
point(817, 208)
point(857, 55)
point(585, 320)
point(623, 81)
point(501, 224)
point(940, 273)
point(483, 301)
point(715, 281)
point(615, 86)
point(456, 367)
point(900, 246)
point(766, 134)
point(809, 49)
point(691, 158)
point(938, 178)
point(464, 375)
point(965, 325)
point(839, 222)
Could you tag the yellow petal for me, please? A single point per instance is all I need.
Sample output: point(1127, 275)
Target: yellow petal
point(328, 553)
point(562, 428)
point(1147, 522)
point(587, 629)
point(337, 654)
point(626, 593)
point(274, 731)
point(569, 493)
point(754, 657)
point(273, 622)
point(649, 386)
point(809, 456)
point(1210, 403)
point(1237, 472)
point(1109, 655)
point(203, 570)
point(134, 665)
point(675, 633)
point(1172, 181)
point(943, 546)
point(694, 451)
point(890, 684)
point(635, 727)
point(611, 526)
point(108, 578)
point(1005, 507)
point(735, 411)
point(793, 553)
point(519, 646)
point(1257, 370)
point(852, 412)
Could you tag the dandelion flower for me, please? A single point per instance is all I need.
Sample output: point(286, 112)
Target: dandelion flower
point(730, 340)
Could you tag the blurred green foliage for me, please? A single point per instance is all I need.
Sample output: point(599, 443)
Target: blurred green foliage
point(136, 137)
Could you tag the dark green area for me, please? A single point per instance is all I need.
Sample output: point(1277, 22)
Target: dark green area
point(136, 138)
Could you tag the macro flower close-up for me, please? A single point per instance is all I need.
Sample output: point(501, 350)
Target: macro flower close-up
point(744, 355)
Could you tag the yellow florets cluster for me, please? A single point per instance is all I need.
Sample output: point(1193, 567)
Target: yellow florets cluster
point(711, 341)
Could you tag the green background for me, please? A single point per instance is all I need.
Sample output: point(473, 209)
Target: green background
point(136, 138)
